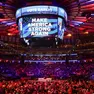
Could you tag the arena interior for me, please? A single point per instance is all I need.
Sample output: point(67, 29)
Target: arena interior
point(47, 65)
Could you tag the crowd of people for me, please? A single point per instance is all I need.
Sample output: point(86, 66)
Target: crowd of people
point(48, 87)
point(57, 70)
point(22, 78)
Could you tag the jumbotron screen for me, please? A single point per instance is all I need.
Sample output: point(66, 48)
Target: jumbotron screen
point(37, 26)
point(41, 21)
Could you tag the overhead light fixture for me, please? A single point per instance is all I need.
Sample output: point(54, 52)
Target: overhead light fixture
point(69, 35)
point(86, 32)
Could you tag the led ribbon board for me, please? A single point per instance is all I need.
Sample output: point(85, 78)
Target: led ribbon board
point(41, 21)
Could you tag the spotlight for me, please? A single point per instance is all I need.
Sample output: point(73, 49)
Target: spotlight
point(69, 35)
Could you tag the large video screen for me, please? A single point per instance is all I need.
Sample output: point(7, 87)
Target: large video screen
point(38, 26)
point(41, 21)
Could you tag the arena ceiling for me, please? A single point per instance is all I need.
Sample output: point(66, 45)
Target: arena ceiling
point(80, 14)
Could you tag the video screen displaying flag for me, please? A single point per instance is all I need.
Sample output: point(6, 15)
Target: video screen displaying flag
point(38, 26)
point(41, 21)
